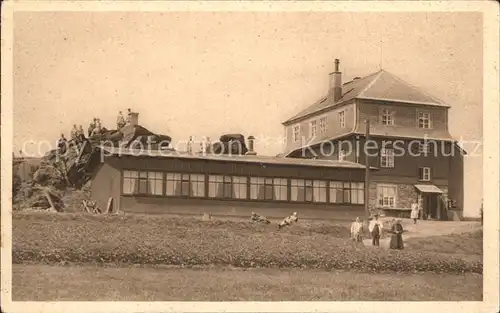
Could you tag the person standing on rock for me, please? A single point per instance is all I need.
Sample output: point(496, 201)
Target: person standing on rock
point(120, 121)
point(92, 126)
point(375, 228)
point(415, 210)
point(397, 236)
point(129, 116)
point(356, 230)
point(81, 134)
point(74, 132)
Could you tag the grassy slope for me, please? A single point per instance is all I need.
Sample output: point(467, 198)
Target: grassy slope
point(52, 283)
point(159, 240)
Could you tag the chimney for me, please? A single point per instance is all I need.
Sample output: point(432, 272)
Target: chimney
point(336, 82)
point(134, 118)
point(250, 146)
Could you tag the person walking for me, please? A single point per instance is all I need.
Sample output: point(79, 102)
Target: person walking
point(356, 230)
point(397, 236)
point(375, 228)
point(415, 210)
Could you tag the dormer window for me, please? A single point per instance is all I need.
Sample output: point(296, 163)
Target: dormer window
point(424, 120)
point(387, 116)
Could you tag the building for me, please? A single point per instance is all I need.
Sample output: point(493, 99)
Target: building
point(168, 181)
point(409, 141)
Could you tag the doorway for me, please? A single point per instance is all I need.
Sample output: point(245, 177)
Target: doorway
point(430, 206)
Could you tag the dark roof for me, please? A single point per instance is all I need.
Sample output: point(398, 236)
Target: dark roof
point(170, 153)
point(380, 85)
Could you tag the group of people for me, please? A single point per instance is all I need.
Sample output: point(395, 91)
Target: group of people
point(375, 227)
point(121, 121)
point(287, 221)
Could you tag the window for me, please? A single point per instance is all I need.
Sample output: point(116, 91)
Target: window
point(336, 192)
point(262, 188)
point(423, 148)
point(347, 193)
point(387, 195)
point(145, 183)
point(342, 119)
point(424, 174)
point(240, 187)
point(323, 125)
point(185, 185)
point(312, 129)
point(386, 157)
point(280, 189)
point(301, 190)
point(319, 191)
point(357, 193)
point(342, 154)
point(296, 133)
point(387, 117)
point(220, 186)
point(424, 120)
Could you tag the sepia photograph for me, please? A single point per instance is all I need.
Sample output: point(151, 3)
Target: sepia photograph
point(247, 155)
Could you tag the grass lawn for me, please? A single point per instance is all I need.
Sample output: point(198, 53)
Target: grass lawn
point(35, 282)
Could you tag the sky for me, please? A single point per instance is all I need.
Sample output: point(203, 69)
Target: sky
point(212, 73)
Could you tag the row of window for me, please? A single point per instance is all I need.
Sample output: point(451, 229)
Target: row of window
point(241, 187)
point(386, 117)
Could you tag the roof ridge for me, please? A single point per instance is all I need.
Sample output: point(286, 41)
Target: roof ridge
point(379, 73)
point(439, 101)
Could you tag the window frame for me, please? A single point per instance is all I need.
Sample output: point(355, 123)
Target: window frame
point(381, 197)
point(424, 170)
point(387, 158)
point(296, 133)
point(388, 114)
point(323, 124)
point(147, 179)
point(342, 120)
point(313, 125)
point(424, 116)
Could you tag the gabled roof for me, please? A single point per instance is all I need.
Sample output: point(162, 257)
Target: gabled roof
point(380, 85)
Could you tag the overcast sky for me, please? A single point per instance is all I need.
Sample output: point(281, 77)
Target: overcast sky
point(205, 74)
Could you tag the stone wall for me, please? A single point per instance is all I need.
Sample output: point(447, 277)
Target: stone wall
point(406, 194)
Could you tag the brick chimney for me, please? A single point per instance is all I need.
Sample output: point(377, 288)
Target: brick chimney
point(336, 82)
point(250, 147)
point(134, 118)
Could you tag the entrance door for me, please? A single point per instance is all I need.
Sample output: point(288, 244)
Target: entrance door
point(430, 206)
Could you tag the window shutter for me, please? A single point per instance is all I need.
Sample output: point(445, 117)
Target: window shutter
point(420, 173)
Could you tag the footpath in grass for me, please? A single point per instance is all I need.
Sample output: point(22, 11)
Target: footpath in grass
point(94, 283)
point(63, 238)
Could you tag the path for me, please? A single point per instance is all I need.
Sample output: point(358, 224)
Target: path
point(426, 229)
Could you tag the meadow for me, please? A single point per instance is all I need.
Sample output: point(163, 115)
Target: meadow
point(317, 258)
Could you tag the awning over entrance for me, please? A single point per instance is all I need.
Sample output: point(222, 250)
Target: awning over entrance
point(428, 189)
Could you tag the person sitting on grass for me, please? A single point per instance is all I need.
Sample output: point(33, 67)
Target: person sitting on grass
point(259, 218)
point(356, 230)
point(289, 220)
point(397, 237)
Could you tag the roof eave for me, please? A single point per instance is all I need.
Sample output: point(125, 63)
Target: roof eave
point(435, 104)
point(320, 111)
